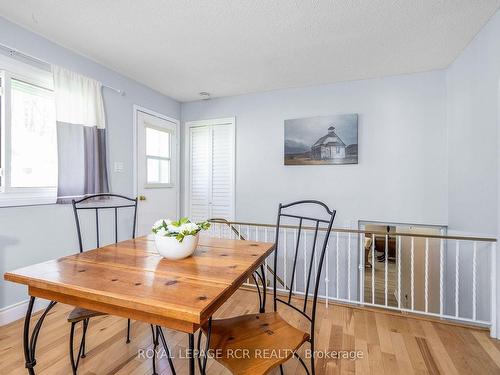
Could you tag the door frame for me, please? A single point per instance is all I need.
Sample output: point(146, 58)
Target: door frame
point(177, 184)
point(187, 159)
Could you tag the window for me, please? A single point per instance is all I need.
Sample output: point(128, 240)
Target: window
point(158, 152)
point(28, 139)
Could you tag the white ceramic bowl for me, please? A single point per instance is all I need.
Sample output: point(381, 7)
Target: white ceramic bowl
point(170, 248)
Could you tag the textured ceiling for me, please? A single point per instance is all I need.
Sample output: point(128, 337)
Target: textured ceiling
point(229, 47)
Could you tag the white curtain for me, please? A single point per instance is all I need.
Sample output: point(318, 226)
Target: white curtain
point(81, 135)
point(78, 99)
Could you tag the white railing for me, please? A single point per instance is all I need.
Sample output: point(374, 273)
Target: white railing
point(450, 277)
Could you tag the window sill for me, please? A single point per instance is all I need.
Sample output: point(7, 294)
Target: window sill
point(28, 197)
point(158, 186)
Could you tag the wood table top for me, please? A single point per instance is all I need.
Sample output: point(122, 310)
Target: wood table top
point(131, 279)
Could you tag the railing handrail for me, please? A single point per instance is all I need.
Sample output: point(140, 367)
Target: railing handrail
point(359, 231)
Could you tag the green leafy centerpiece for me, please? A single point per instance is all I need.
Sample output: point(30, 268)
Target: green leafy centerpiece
point(177, 239)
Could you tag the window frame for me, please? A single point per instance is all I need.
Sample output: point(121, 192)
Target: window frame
point(154, 185)
point(19, 196)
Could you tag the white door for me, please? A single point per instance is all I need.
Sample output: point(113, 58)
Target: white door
point(157, 168)
point(210, 183)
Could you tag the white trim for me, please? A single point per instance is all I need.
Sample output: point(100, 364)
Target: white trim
point(213, 121)
point(495, 301)
point(18, 310)
point(25, 197)
point(16, 196)
point(187, 160)
point(177, 185)
point(22, 71)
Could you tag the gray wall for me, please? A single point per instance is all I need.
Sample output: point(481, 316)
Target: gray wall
point(401, 175)
point(474, 138)
point(429, 149)
point(472, 107)
point(34, 234)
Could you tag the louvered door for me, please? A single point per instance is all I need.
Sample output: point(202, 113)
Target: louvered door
point(200, 173)
point(211, 170)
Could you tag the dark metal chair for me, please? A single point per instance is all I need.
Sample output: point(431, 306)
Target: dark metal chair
point(96, 203)
point(269, 330)
point(256, 275)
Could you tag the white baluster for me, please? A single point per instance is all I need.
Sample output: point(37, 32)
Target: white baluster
point(239, 238)
point(493, 280)
point(457, 271)
point(326, 275)
point(285, 231)
point(474, 279)
point(361, 267)
point(441, 277)
point(265, 261)
point(386, 250)
point(256, 236)
point(220, 230)
point(426, 275)
point(349, 266)
point(337, 266)
point(295, 246)
point(412, 265)
point(315, 258)
point(305, 261)
point(399, 272)
point(373, 268)
point(248, 233)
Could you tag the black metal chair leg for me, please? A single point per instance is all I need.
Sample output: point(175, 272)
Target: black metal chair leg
point(207, 347)
point(302, 363)
point(165, 346)
point(262, 296)
point(81, 348)
point(191, 353)
point(155, 346)
point(258, 290)
point(264, 286)
point(74, 364)
point(128, 331)
point(281, 370)
point(313, 371)
point(85, 326)
point(203, 365)
point(29, 344)
point(198, 349)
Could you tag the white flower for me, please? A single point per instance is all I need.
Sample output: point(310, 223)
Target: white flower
point(189, 227)
point(161, 232)
point(167, 221)
point(173, 229)
point(158, 224)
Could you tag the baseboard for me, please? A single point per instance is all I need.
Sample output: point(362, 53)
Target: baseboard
point(17, 311)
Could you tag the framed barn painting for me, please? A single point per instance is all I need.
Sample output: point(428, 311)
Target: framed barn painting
point(322, 140)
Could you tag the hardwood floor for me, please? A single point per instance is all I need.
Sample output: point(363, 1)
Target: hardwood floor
point(390, 344)
point(380, 283)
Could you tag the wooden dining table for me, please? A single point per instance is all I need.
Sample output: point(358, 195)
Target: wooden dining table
point(130, 279)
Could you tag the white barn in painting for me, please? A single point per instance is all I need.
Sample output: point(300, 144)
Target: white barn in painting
point(330, 146)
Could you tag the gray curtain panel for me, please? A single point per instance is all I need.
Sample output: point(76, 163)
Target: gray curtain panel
point(82, 161)
point(81, 135)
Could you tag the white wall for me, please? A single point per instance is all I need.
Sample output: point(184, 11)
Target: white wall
point(401, 175)
point(473, 106)
point(33, 234)
point(429, 149)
